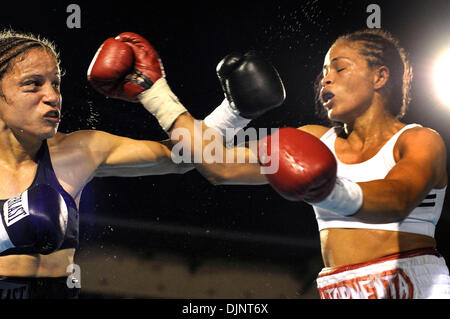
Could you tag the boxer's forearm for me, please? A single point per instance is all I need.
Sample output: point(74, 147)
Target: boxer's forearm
point(386, 201)
point(143, 169)
point(220, 165)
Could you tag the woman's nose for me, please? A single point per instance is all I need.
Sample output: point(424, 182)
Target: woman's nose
point(52, 95)
point(326, 80)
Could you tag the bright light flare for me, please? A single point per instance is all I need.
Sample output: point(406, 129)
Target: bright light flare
point(441, 77)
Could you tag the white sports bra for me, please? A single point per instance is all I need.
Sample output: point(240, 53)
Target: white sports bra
point(421, 220)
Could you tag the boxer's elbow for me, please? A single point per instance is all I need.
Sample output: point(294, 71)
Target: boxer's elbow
point(183, 168)
point(215, 174)
point(216, 177)
point(234, 174)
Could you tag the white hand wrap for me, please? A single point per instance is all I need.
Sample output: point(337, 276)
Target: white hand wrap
point(162, 103)
point(226, 121)
point(346, 198)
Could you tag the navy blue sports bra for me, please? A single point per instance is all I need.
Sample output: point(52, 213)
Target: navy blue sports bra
point(46, 175)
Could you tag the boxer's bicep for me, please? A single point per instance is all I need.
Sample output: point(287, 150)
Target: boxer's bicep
point(316, 130)
point(122, 156)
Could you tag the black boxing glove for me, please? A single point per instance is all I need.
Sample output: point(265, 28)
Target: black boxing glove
point(250, 83)
point(35, 219)
point(252, 87)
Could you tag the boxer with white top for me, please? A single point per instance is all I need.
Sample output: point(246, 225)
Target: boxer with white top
point(376, 184)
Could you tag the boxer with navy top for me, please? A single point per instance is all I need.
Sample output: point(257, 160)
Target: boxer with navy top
point(26, 229)
point(43, 172)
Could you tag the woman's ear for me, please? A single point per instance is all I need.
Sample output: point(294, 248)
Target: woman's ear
point(381, 76)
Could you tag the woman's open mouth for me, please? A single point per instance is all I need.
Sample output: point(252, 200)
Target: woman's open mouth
point(327, 98)
point(52, 116)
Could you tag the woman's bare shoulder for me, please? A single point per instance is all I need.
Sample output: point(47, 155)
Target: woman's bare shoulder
point(316, 130)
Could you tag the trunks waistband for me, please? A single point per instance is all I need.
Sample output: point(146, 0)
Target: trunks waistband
point(406, 254)
point(37, 288)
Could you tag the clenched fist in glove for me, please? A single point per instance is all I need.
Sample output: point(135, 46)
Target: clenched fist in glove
point(308, 171)
point(127, 67)
point(307, 168)
point(252, 87)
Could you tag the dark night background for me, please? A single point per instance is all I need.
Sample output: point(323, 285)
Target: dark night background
point(183, 215)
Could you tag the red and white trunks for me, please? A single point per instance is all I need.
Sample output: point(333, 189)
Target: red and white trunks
point(417, 274)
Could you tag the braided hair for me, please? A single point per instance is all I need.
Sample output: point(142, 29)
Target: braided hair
point(14, 45)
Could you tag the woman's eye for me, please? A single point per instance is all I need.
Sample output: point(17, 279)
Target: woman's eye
point(28, 83)
point(33, 83)
point(31, 86)
point(341, 69)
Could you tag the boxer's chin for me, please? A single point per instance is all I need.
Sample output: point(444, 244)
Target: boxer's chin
point(49, 132)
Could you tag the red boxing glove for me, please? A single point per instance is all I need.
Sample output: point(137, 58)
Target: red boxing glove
point(307, 168)
point(124, 67)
